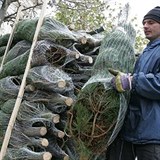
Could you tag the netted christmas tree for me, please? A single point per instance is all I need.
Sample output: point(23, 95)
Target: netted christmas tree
point(99, 111)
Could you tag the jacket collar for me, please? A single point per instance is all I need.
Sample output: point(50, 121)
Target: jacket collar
point(154, 43)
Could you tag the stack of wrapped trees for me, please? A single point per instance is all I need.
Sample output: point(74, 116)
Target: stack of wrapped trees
point(61, 64)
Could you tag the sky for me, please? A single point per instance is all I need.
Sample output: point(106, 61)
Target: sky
point(139, 7)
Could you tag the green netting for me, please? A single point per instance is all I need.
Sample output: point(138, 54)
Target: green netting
point(50, 79)
point(4, 120)
point(4, 40)
point(2, 50)
point(116, 51)
point(99, 112)
point(20, 48)
point(9, 87)
point(56, 31)
point(25, 29)
point(8, 106)
point(51, 29)
point(15, 66)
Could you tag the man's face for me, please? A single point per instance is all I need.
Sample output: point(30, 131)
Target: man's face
point(151, 29)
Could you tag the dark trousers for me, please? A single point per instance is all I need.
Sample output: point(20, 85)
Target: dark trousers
point(122, 150)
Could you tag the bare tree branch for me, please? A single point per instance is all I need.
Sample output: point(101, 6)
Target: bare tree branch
point(4, 8)
point(25, 9)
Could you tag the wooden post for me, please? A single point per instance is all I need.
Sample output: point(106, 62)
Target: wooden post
point(22, 87)
point(11, 37)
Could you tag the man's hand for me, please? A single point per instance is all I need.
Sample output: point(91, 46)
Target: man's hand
point(122, 81)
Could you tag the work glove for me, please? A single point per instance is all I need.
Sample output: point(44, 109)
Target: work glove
point(121, 81)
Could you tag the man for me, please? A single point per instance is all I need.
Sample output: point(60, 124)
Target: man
point(140, 134)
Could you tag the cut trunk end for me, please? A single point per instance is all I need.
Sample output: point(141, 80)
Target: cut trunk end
point(61, 84)
point(44, 142)
point(30, 88)
point(47, 156)
point(56, 118)
point(61, 134)
point(69, 101)
point(66, 157)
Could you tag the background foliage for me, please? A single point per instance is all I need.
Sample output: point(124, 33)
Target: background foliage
point(76, 14)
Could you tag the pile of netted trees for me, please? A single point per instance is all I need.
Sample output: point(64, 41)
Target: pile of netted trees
point(61, 63)
point(69, 109)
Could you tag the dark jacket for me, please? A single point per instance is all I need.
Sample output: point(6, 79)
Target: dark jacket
point(142, 123)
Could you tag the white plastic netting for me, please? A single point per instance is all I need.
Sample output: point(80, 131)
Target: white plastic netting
point(103, 108)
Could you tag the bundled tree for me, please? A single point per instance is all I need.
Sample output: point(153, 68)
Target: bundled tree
point(99, 111)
